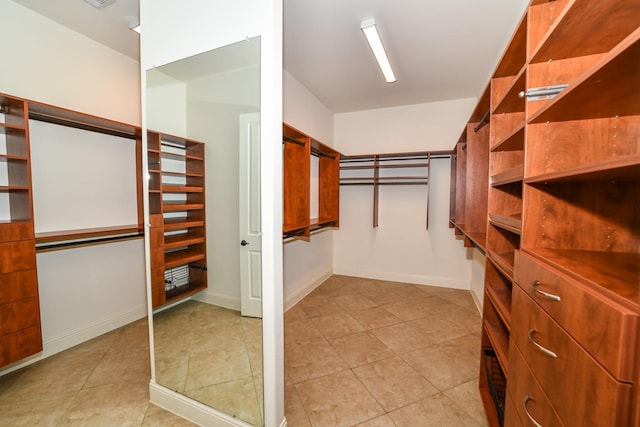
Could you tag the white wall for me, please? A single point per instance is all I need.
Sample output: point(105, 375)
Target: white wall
point(166, 101)
point(477, 277)
point(306, 264)
point(401, 248)
point(46, 62)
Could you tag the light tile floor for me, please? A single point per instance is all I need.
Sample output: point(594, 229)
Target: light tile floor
point(361, 352)
point(358, 352)
point(213, 355)
point(103, 382)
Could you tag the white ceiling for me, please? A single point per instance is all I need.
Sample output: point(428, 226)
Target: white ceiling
point(439, 50)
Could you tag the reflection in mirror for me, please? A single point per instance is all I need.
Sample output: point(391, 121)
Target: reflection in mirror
point(203, 347)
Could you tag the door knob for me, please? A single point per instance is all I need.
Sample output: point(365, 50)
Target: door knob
point(244, 243)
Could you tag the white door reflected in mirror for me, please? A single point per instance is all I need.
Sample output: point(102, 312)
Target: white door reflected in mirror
point(250, 231)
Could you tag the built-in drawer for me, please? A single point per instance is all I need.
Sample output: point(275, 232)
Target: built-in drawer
point(530, 404)
point(19, 315)
point(605, 329)
point(511, 416)
point(19, 345)
point(17, 255)
point(18, 285)
point(581, 391)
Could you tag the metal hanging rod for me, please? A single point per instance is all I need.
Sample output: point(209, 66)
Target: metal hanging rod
point(322, 154)
point(483, 121)
point(286, 138)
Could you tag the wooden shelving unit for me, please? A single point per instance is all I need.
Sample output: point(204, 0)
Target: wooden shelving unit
point(562, 295)
point(20, 332)
point(470, 161)
point(177, 216)
point(297, 151)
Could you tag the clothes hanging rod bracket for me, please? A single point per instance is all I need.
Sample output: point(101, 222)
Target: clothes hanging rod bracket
point(546, 92)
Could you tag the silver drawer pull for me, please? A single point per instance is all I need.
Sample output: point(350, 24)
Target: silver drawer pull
point(534, 287)
point(539, 347)
point(524, 406)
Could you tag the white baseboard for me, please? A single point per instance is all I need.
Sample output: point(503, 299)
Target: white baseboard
point(477, 299)
point(297, 296)
point(189, 409)
point(61, 342)
point(218, 299)
point(443, 282)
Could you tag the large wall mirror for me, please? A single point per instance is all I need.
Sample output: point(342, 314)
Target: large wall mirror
point(209, 347)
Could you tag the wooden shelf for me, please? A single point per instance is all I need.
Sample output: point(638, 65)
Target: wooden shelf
point(173, 206)
point(189, 290)
point(514, 57)
point(574, 33)
point(501, 300)
point(503, 261)
point(499, 342)
point(511, 223)
point(178, 258)
point(514, 141)
point(621, 169)
point(608, 89)
point(510, 176)
point(511, 102)
point(181, 189)
point(182, 223)
point(478, 238)
point(179, 240)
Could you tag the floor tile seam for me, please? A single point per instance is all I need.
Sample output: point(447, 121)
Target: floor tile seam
point(304, 408)
point(95, 367)
point(109, 383)
point(312, 378)
point(345, 361)
point(437, 391)
point(462, 407)
point(424, 376)
point(327, 338)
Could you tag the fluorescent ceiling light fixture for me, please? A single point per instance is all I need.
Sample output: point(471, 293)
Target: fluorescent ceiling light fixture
point(368, 27)
point(99, 4)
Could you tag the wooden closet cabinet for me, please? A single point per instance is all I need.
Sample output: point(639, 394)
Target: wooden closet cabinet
point(20, 333)
point(296, 158)
point(469, 178)
point(562, 278)
point(177, 233)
